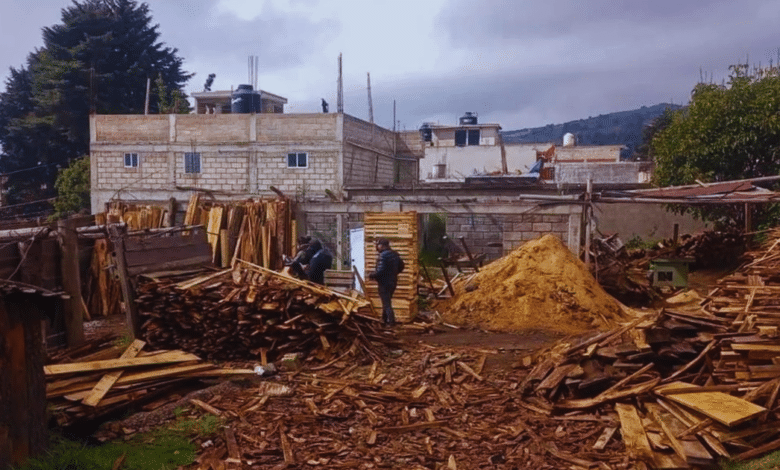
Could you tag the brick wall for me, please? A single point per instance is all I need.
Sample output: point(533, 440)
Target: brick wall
point(321, 173)
point(588, 153)
point(304, 128)
point(213, 127)
point(219, 172)
point(131, 128)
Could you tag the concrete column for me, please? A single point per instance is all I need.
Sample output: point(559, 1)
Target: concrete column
point(339, 240)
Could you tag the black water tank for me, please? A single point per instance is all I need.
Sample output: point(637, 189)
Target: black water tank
point(468, 118)
point(426, 132)
point(244, 100)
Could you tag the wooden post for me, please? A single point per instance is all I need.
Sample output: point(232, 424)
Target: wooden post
point(446, 277)
point(676, 235)
point(117, 234)
point(468, 253)
point(71, 281)
point(748, 218)
point(171, 212)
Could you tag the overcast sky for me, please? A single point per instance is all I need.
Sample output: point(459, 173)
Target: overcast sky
point(519, 63)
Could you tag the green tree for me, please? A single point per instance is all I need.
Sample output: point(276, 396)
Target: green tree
point(73, 188)
point(97, 60)
point(727, 132)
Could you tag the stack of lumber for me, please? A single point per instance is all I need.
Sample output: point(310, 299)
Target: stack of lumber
point(260, 232)
point(136, 216)
point(401, 229)
point(689, 387)
point(100, 378)
point(251, 312)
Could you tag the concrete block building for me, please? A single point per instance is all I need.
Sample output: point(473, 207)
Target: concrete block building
point(234, 156)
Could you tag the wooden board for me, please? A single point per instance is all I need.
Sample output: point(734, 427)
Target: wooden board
point(107, 381)
point(633, 433)
point(168, 357)
point(719, 406)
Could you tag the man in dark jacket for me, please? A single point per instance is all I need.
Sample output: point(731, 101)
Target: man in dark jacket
point(319, 263)
point(388, 265)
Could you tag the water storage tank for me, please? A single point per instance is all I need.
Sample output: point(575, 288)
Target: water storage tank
point(245, 100)
point(468, 118)
point(569, 140)
point(426, 133)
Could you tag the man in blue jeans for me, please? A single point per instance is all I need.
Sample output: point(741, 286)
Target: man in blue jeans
point(388, 265)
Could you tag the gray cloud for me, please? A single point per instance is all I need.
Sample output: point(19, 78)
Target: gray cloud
point(281, 40)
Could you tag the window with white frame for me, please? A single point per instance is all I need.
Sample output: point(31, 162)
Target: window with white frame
point(297, 160)
point(192, 162)
point(131, 160)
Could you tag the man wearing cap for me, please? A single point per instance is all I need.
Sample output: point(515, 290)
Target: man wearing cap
point(388, 265)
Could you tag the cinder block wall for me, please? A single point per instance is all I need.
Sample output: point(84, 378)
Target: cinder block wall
point(589, 153)
point(511, 231)
point(241, 155)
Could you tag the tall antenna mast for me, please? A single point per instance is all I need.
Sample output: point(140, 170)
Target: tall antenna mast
point(370, 103)
point(340, 91)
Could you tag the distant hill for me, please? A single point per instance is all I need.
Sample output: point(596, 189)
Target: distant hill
point(624, 127)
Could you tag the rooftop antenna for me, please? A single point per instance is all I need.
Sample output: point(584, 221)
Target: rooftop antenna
point(340, 91)
point(370, 104)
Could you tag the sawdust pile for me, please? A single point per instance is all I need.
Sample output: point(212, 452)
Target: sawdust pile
point(539, 285)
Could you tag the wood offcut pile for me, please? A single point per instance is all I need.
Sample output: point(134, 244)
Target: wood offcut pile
point(252, 312)
point(622, 272)
point(101, 378)
point(688, 388)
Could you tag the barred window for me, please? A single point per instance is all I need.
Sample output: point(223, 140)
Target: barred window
point(131, 160)
point(192, 162)
point(297, 160)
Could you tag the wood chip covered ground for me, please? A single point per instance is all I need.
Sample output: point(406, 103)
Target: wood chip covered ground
point(685, 387)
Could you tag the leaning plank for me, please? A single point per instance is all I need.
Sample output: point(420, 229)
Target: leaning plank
point(689, 449)
point(108, 380)
point(633, 433)
point(583, 403)
point(719, 406)
point(165, 358)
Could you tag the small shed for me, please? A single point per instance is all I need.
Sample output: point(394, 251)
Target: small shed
point(23, 426)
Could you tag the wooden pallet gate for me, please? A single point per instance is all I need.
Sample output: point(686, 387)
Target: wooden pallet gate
point(401, 229)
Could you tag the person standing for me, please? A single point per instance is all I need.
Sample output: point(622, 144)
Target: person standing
point(388, 265)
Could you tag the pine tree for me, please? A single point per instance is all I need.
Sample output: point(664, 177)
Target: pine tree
point(96, 60)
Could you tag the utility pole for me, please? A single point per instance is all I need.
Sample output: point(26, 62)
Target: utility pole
point(340, 91)
point(370, 103)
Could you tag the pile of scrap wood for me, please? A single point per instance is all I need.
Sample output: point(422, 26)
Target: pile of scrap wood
point(101, 378)
point(251, 311)
point(445, 407)
point(623, 272)
point(689, 388)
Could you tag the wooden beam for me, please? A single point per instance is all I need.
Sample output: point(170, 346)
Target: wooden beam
point(71, 281)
